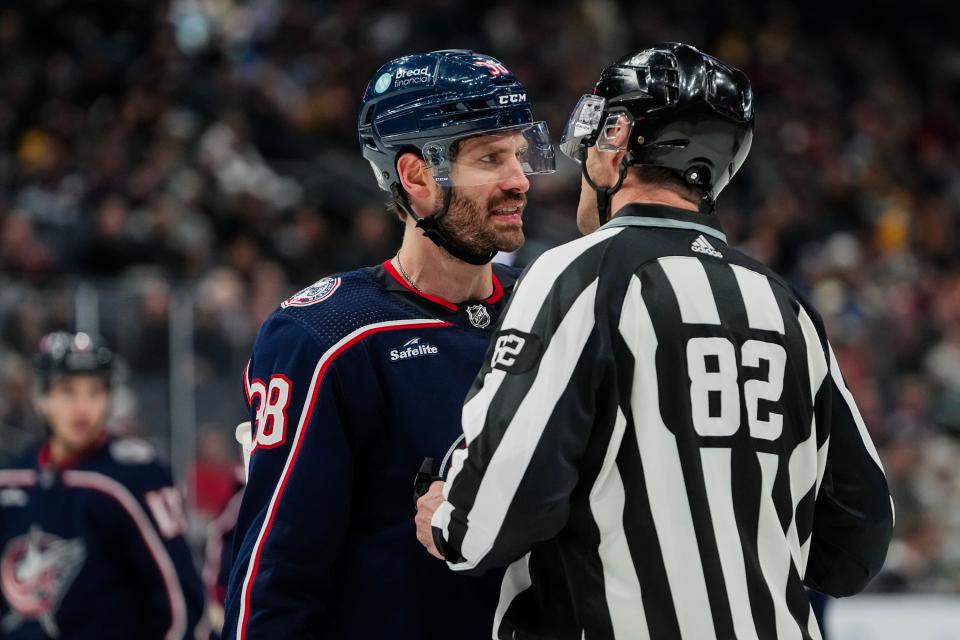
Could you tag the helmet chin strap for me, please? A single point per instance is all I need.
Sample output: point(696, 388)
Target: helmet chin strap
point(707, 205)
point(605, 194)
point(430, 226)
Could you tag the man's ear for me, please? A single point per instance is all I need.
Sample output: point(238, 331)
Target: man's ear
point(415, 177)
point(621, 132)
point(615, 135)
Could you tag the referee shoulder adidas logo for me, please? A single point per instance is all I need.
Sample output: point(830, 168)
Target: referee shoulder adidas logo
point(702, 245)
point(413, 349)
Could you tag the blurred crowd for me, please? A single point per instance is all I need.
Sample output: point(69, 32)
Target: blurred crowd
point(197, 159)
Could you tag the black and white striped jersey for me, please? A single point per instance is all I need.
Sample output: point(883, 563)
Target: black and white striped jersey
point(661, 445)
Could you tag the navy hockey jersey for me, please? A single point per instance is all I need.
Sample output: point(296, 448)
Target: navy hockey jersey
point(352, 383)
point(95, 549)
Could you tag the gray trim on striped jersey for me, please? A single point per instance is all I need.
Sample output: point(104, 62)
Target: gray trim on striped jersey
point(642, 221)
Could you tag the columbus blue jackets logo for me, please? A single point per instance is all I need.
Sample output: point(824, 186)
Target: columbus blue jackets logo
point(317, 292)
point(36, 571)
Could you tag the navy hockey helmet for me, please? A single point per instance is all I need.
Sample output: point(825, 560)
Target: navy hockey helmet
point(427, 102)
point(66, 354)
point(686, 111)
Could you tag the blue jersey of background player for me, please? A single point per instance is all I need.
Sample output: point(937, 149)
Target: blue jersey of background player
point(356, 379)
point(91, 528)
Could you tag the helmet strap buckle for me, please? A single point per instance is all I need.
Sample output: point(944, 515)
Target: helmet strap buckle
point(707, 205)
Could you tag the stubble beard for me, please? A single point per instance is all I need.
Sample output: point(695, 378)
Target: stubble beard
point(469, 226)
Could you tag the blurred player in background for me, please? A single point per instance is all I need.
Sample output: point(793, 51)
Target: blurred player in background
point(91, 528)
point(359, 377)
point(218, 556)
point(660, 444)
point(218, 551)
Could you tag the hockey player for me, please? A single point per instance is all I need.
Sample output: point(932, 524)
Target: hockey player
point(359, 377)
point(218, 554)
point(91, 528)
point(217, 557)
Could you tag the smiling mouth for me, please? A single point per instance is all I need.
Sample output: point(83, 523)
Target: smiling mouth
point(508, 211)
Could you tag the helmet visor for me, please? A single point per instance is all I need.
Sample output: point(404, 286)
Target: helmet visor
point(582, 127)
point(588, 126)
point(491, 156)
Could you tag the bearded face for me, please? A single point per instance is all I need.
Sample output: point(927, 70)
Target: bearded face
point(487, 203)
point(485, 222)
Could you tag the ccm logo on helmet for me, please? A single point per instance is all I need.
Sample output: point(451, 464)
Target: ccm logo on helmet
point(513, 98)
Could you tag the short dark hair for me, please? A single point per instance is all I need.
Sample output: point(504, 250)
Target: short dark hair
point(670, 179)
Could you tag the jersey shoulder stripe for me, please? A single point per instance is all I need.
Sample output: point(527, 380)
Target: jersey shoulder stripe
point(118, 492)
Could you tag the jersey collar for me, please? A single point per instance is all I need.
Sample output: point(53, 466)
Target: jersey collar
point(446, 304)
point(44, 459)
point(656, 215)
point(474, 314)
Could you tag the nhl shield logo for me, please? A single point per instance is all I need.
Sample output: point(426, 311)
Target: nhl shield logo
point(317, 292)
point(479, 316)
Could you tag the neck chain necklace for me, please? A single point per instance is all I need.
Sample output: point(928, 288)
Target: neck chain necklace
point(405, 276)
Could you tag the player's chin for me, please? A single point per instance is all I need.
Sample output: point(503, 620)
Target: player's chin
point(510, 240)
point(79, 436)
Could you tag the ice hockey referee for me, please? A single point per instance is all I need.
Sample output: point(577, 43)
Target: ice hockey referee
point(660, 444)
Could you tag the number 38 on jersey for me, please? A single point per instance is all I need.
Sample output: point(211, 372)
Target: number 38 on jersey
point(272, 400)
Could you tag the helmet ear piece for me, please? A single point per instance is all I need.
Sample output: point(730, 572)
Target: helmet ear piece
point(697, 175)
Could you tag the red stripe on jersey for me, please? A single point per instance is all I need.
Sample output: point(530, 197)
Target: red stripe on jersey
point(497, 291)
point(403, 281)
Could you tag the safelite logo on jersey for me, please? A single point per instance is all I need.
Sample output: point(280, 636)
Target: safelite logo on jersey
point(413, 349)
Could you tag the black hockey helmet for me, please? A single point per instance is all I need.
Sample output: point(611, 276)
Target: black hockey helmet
point(69, 354)
point(688, 112)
